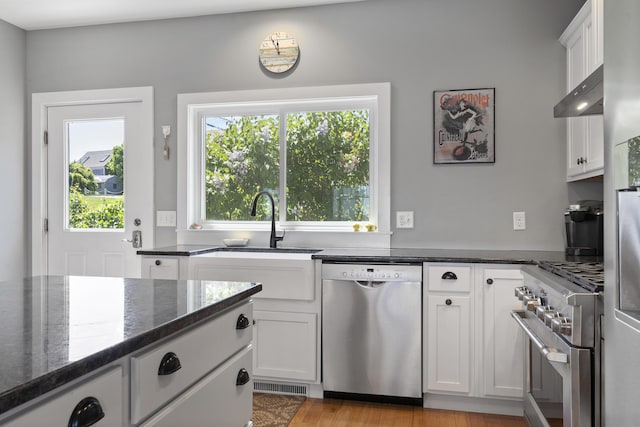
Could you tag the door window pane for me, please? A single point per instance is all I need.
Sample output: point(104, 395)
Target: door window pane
point(242, 157)
point(96, 174)
point(328, 166)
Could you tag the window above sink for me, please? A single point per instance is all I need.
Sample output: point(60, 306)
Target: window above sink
point(322, 152)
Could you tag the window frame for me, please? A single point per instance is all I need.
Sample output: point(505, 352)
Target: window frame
point(194, 106)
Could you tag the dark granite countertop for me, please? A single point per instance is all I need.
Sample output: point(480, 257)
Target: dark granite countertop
point(396, 255)
point(56, 329)
point(178, 250)
point(438, 255)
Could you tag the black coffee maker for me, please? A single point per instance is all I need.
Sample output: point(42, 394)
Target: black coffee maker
point(584, 226)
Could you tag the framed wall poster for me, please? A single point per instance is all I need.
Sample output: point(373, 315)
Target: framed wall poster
point(464, 126)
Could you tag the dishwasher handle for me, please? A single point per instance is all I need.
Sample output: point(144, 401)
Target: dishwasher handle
point(370, 284)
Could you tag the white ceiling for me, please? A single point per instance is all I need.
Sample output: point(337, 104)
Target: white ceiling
point(42, 14)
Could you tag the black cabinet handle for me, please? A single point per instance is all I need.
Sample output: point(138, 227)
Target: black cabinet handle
point(489, 281)
point(243, 377)
point(449, 275)
point(243, 322)
point(158, 262)
point(86, 413)
point(448, 301)
point(169, 364)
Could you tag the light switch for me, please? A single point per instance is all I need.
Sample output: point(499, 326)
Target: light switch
point(166, 218)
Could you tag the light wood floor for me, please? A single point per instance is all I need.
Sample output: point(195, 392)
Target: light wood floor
point(339, 413)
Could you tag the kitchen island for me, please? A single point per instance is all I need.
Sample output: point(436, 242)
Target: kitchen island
point(60, 331)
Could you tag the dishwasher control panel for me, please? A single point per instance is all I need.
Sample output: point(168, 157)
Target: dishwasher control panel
point(388, 273)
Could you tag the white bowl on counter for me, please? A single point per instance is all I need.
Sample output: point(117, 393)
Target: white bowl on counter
point(235, 242)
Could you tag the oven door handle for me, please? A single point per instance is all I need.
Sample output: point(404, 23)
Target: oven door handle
point(550, 353)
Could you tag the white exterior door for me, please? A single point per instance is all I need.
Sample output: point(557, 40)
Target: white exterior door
point(97, 190)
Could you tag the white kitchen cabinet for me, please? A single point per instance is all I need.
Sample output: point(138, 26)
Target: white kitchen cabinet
point(585, 135)
point(448, 343)
point(164, 267)
point(473, 350)
point(502, 341)
point(194, 353)
point(286, 345)
point(219, 399)
point(105, 388)
point(447, 339)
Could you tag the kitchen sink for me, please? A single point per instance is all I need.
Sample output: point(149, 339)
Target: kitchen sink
point(262, 253)
point(268, 250)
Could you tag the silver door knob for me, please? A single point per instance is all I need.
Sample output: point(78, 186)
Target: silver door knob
point(136, 239)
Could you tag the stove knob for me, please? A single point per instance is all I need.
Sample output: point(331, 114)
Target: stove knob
point(533, 304)
point(561, 325)
point(541, 310)
point(549, 316)
point(520, 291)
point(566, 327)
point(526, 297)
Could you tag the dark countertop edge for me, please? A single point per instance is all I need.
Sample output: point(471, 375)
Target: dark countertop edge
point(37, 387)
point(179, 252)
point(420, 259)
point(350, 258)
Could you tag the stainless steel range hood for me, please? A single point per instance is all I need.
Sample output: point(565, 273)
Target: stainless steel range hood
point(584, 100)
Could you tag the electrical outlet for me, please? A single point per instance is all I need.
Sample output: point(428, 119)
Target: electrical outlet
point(519, 221)
point(166, 218)
point(404, 219)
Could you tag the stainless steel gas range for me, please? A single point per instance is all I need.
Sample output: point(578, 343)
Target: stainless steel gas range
point(562, 308)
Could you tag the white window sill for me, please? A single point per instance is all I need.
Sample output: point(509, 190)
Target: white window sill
point(293, 238)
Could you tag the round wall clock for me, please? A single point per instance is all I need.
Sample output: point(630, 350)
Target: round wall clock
point(279, 52)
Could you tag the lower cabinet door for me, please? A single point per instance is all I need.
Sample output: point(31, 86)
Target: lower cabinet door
point(502, 340)
point(448, 344)
point(285, 345)
point(221, 399)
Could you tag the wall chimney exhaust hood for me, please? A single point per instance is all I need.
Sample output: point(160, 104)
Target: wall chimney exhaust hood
point(584, 100)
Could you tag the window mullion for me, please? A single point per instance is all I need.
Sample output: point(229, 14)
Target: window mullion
point(283, 165)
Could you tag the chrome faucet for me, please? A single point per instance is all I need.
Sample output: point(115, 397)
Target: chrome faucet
point(273, 240)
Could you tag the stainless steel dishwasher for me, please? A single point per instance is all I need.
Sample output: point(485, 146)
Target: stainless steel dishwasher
point(372, 331)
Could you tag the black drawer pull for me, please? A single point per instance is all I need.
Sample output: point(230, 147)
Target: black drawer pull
point(449, 275)
point(243, 377)
point(158, 262)
point(169, 364)
point(448, 302)
point(243, 322)
point(86, 413)
point(489, 281)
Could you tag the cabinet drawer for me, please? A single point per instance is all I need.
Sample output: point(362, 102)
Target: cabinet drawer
point(199, 351)
point(106, 389)
point(448, 278)
point(216, 400)
point(160, 268)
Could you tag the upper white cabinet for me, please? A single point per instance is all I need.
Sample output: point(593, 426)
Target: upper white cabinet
point(585, 135)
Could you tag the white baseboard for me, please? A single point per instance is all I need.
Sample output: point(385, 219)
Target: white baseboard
point(473, 404)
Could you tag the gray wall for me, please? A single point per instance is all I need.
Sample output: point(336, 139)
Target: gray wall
point(419, 46)
point(621, 94)
point(13, 220)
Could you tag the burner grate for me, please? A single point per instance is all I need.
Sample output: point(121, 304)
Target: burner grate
point(589, 275)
